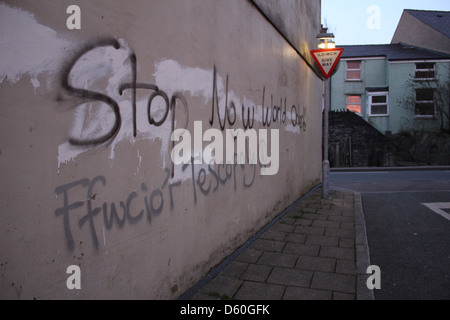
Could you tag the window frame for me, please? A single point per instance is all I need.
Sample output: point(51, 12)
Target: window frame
point(423, 70)
point(420, 116)
point(347, 69)
point(370, 103)
point(354, 104)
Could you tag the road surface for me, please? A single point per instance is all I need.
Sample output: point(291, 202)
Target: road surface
point(407, 217)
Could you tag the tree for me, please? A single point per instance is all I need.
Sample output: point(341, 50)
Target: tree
point(429, 96)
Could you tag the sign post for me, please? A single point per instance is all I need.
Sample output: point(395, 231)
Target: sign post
point(326, 60)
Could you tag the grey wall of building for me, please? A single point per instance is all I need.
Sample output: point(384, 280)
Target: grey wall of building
point(412, 31)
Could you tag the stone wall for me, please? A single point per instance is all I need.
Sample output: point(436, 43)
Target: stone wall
point(355, 143)
point(422, 148)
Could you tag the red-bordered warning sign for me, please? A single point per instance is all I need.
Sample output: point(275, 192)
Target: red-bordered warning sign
point(327, 59)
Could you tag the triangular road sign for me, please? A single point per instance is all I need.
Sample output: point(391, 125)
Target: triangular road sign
point(327, 59)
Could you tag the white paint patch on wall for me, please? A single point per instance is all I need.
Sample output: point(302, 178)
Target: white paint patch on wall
point(27, 47)
point(112, 66)
point(102, 70)
point(30, 48)
point(108, 68)
point(172, 77)
point(100, 121)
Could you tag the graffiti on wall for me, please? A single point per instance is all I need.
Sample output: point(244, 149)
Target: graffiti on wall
point(152, 202)
point(161, 105)
point(271, 114)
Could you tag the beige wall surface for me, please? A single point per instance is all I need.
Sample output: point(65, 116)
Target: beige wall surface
point(86, 117)
point(300, 32)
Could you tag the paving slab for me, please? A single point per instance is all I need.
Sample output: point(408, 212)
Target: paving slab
point(316, 250)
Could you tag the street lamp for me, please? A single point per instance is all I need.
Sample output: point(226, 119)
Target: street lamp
point(325, 40)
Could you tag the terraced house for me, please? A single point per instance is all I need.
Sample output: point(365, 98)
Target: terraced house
point(394, 87)
point(401, 93)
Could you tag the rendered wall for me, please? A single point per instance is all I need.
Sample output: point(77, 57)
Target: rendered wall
point(398, 77)
point(86, 118)
point(412, 31)
point(301, 33)
point(402, 93)
point(374, 75)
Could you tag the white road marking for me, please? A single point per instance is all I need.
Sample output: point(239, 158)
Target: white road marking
point(437, 208)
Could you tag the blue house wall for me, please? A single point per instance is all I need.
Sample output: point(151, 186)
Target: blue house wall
point(402, 92)
point(396, 77)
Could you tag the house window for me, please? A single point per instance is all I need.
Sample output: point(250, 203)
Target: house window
point(425, 106)
point(425, 71)
point(379, 104)
point(353, 70)
point(354, 104)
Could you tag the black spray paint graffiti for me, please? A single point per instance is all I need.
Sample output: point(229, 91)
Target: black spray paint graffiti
point(88, 95)
point(151, 203)
point(273, 114)
point(270, 114)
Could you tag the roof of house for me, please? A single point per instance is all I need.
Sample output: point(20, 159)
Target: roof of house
point(399, 51)
point(438, 20)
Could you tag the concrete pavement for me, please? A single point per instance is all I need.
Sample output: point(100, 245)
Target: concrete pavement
point(315, 250)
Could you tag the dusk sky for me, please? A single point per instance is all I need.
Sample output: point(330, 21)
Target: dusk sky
point(370, 21)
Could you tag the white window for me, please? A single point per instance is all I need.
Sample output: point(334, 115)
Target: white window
point(354, 104)
point(425, 71)
point(353, 70)
point(378, 104)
